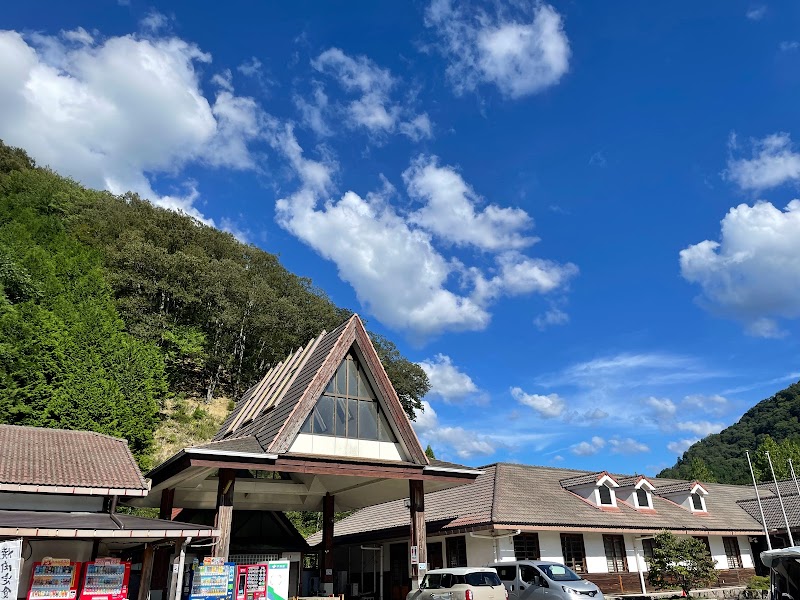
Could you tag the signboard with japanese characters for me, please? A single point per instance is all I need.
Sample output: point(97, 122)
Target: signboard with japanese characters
point(10, 562)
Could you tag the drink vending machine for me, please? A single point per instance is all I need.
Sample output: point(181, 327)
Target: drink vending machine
point(214, 579)
point(54, 579)
point(251, 582)
point(106, 579)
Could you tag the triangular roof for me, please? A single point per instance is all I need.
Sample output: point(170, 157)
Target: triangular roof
point(682, 487)
point(593, 478)
point(270, 414)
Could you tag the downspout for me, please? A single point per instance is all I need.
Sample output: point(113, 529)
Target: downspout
point(112, 509)
point(494, 539)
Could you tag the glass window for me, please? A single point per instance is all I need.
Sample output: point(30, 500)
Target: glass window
point(528, 573)
point(432, 582)
point(648, 545)
point(560, 572)
point(367, 420)
point(526, 546)
point(642, 498)
point(507, 572)
point(324, 422)
point(732, 552)
point(483, 578)
point(574, 551)
point(385, 433)
point(306, 428)
point(340, 420)
point(605, 495)
point(615, 553)
point(697, 501)
point(352, 378)
point(456, 551)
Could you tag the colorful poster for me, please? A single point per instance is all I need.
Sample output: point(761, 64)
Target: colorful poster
point(10, 562)
point(278, 580)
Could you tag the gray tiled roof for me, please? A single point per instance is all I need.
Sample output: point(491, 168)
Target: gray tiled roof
point(674, 488)
point(582, 479)
point(524, 495)
point(772, 510)
point(59, 457)
point(631, 481)
point(247, 443)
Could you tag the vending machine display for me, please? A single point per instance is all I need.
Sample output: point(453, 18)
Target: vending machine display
point(211, 580)
point(106, 579)
point(251, 582)
point(54, 579)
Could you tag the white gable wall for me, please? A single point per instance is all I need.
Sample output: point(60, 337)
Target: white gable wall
point(327, 445)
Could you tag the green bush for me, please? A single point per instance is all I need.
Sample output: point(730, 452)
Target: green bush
point(757, 582)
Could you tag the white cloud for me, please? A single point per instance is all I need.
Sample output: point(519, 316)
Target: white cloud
point(113, 113)
point(426, 419)
point(662, 407)
point(788, 46)
point(250, 68)
point(79, 36)
point(627, 446)
point(449, 382)
point(379, 251)
point(713, 403)
point(680, 446)
point(548, 406)
point(586, 417)
point(752, 273)
point(312, 112)
point(449, 210)
point(756, 13)
point(700, 428)
point(521, 54)
point(154, 21)
point(374, 108)
point(551, 317)
point(464, 443)
point(774, 163)
point(589, 448)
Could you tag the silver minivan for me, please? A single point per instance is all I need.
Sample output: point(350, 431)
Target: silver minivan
point(544, 580)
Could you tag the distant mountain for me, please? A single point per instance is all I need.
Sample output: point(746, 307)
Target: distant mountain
point(724, 452)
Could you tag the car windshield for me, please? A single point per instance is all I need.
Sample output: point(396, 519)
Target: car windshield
point(483, 578)
point(559, 573)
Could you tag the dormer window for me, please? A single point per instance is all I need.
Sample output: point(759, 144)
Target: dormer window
point(596, 488)
point(643, 499)
point(605, 496)
point(688, 494)
point(697, 502)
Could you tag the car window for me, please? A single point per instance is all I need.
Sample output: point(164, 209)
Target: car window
point(527, 573)
point(432, 582)
point(507, 573)
point(483, 578)
point(447, 580)
point(559, 573)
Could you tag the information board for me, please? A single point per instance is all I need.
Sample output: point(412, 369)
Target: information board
point(10, 562)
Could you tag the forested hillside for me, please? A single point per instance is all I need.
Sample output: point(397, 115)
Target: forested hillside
point(775, 419)
point(112, 309)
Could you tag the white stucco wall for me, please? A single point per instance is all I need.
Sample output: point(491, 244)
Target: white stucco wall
point(550, 546)
point(746, 551)
point(595, 553)
point(306, 443)
point(632, 547)
point(505, 548)
point(480, 551)
point(718, 551)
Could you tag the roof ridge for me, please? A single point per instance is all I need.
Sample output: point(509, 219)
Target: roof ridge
point(70, 431)
point(492, 513)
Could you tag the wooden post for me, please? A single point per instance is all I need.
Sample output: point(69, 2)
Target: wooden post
point(147, 572)
point(224, 518)
point(417, 506)
point(167, 502)
point(327, 543)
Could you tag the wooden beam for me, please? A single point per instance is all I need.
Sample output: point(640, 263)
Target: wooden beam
point(167, 503)
point(224, 518)
point(327, 542)
point(416, 493)
point(147, 572)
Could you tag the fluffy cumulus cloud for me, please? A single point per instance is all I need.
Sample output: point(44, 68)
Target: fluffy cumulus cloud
point(751, 274)
point(521, 52)
point(774, 162)
point(112, 112)
point(680, 446)
point(661, 407)
point(379, 250)
point(551, 317)
point(712, 403)
point(462, 442)
point(448, 382)
point(700, 428)
point(373, 107)
point(627, 446)
point(588, 448)
point(549, 406)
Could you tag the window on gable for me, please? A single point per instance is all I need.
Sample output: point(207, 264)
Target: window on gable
point(605, 496)
point(526, 546)
point(349, 407)
point(697, 501)
point(615, 553)
point(642, 498)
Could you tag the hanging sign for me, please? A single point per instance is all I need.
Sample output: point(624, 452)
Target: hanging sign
point(10, 562)
point(278, 580)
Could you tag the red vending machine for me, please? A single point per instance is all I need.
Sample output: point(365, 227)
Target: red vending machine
point(106, 579)
point(251, 582)
point(54, 579)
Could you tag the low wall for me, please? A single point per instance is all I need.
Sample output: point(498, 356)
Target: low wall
point(629, 583)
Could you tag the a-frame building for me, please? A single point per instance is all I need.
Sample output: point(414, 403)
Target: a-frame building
point(323, 430)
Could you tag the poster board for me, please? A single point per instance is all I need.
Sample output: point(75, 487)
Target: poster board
point(278, 580)
point(10, 565)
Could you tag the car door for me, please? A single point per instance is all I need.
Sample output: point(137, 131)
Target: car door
point(533, 585)
point(508, 575)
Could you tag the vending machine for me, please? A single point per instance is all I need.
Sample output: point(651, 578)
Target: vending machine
point(54, 579)
point(251, 582)
point(214, 579)
point(105, 579)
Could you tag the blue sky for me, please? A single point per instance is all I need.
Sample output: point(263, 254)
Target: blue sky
point(578, 217)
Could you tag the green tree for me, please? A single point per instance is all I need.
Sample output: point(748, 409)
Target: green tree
point(680, 562)
point(408, 379)
point(699, 471)
point(429, 452)
point(780, 453)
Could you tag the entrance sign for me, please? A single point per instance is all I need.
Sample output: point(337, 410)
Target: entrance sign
point(278, 580)
point(10, 559)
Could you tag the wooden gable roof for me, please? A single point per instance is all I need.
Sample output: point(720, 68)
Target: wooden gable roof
point(273, 411)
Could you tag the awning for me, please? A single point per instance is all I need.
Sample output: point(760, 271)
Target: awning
point(46, 524)
point(770, 557)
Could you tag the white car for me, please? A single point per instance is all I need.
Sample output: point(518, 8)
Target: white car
point(460, 583)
